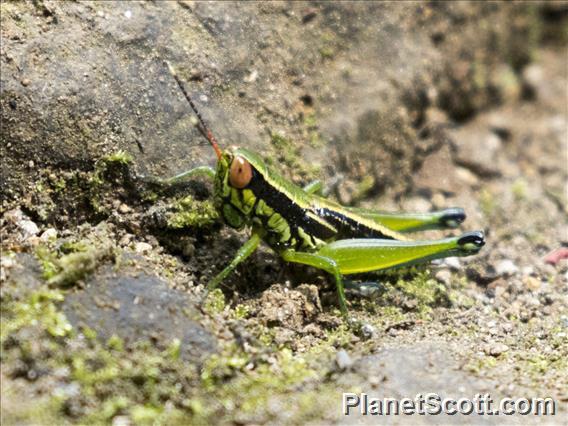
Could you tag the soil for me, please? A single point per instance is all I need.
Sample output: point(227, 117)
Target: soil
point(420, 106)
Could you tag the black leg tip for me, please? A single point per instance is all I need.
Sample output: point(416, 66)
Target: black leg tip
point(452, 218)
point(477, 238)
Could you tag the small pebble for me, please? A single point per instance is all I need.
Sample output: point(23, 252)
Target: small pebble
point(121, 421)
point(25, 82)
point(452, 263)
point(123, 208)
point(506, 267)
point(367, 331)
point(374, 381)
point(507, 327)
point(125, 240)
point(142, 247)
point(532, 283)
point(252, 77)
point(496, 349)
point(28, 228)
point(444, 276)
point(438, 200)
point(533, 75)
point(48, 235)
point(527, 270)
point(343, 360)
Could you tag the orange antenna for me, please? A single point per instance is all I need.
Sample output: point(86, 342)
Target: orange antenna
point(203, 129)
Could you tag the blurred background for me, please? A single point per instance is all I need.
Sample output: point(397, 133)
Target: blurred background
point(415, 106)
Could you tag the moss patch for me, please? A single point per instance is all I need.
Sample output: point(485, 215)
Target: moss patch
point(190, 213)
point(289, 156)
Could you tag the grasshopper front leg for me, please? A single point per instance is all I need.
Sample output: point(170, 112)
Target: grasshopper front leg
point(358, 255)
point(207, 171)
point(245, 251)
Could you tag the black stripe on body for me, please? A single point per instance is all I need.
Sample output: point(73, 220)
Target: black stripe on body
point(348, 227)
point(296, 216)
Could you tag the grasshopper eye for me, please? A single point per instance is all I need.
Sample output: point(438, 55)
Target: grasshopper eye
point(240, 173)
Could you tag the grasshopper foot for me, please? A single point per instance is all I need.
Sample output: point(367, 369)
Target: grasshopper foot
point(453, 217)
point(471, 242)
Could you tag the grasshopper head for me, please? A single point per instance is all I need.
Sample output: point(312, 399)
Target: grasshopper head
point(235, 171)
point(236, 168)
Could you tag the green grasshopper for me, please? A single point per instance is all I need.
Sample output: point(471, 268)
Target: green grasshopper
point(303, 227)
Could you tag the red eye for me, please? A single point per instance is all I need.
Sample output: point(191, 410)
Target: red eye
point(240, 173)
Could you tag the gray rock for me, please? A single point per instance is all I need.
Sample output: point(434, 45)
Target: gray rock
point(138, 308)
point(28, 228)
point(506, 267)
point(483, 162)
point(343, 360)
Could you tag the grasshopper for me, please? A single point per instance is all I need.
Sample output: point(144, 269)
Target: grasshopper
point(304, 227)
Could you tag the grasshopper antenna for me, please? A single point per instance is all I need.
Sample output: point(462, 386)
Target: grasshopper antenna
point(203, 128)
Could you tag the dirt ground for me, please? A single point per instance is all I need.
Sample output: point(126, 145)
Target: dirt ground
point(414, 107)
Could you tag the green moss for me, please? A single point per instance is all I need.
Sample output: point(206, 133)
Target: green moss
point(480, 74)
point(48, 261)
point(118, 157)
point(190, 213)
point(363, 188)
point(480, 364)
point(327, 52)
point(38, 310)
point(487, 202)
point(66, 262)
point(115, 343)
point(133, 383)
point(289, 156)
point(241, 387)
point(222, 366)
point(315, 139)
point(18, 410)
point(310, 120)
point(391, 314)
point(174, 349)
point(215, 302)
point(241, 312)
point(150, 386)
point(412, 289)
point(117, 160)
point(339, 337)
point(328, 48)
point(519, 189)
point(425, 292)
point(70, 268)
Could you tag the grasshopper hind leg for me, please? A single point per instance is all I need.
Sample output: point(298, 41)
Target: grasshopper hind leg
point(414, 222)
point(358, 255)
